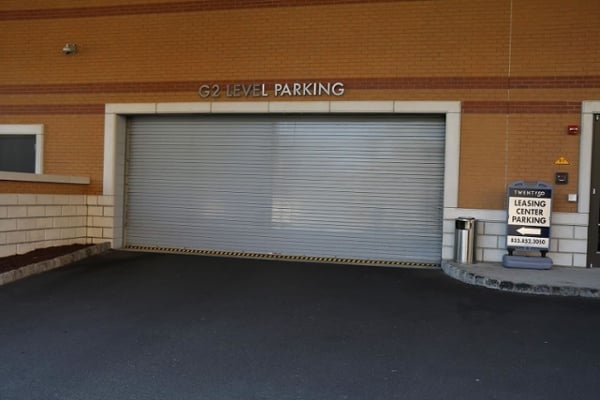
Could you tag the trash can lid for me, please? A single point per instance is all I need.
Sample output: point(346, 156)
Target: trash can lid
point(465, 223)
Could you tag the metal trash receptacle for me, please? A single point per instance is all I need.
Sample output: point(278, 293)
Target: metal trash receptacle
point(464, 240)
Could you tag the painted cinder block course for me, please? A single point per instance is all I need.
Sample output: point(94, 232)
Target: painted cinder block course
point(52, 220)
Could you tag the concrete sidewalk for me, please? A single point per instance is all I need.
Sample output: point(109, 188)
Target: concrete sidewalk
point(558, 281)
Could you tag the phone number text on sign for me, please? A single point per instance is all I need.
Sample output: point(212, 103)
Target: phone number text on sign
point(518, 241)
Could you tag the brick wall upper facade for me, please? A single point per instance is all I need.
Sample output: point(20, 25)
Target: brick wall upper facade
point(520, 68)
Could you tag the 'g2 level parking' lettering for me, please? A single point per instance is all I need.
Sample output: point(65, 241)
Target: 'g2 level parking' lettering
point(295, 89)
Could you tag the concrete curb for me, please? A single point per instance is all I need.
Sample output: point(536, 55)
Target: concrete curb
point(472, 278)
point(47, 265)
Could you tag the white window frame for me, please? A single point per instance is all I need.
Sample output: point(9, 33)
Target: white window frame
point(38, 131)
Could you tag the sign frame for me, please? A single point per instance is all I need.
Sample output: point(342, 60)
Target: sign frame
point(529, 215)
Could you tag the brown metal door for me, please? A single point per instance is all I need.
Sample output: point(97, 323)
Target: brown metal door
point(594, 229)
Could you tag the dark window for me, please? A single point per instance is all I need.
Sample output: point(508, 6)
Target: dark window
point(17, 153)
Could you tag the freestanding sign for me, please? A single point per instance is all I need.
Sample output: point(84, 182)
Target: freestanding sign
point(529, 212)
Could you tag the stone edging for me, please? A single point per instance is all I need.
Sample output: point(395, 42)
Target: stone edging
point(53, 263)
point(528, 288)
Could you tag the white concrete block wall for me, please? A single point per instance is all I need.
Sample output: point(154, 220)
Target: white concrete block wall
point(100, 219)
point(29, 221)
point(568, 234)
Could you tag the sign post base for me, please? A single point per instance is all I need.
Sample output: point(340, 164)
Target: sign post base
point(525, 262)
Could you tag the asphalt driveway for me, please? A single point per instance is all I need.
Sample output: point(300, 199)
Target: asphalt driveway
point(148, 326)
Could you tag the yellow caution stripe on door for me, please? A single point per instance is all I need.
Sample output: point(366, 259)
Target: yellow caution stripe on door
point(282, 257)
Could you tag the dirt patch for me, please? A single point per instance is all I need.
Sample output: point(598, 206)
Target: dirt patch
point(20, 260)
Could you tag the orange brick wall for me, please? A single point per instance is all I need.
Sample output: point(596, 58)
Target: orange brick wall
point(555, 38)
point(483, 144)
point(73, 145)
point(521, 69)
point(383, 39)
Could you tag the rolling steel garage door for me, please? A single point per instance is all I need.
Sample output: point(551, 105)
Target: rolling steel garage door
point(366, 187)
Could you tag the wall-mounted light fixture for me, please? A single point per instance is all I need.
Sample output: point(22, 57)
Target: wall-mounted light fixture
point(69, 49)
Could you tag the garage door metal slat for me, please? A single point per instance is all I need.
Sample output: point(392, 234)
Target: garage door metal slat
point(362, 186)
point(252, 231)
point(342, 184)
point(223, 200)
point(333, 224)
point(327, 243)
point(280, 220)
point(358, 204)
point(252, 236)
point(174, 207)
point(367, 187)
point(282, 223)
